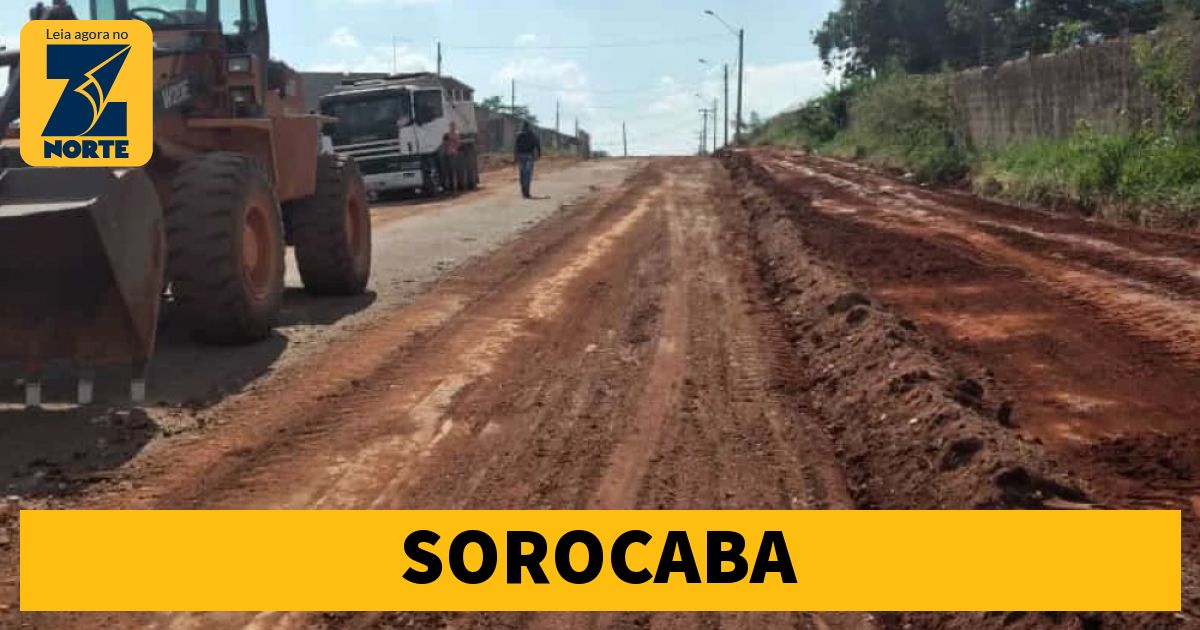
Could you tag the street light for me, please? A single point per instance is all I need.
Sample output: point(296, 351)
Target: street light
point(741, 37)
point(725, 79)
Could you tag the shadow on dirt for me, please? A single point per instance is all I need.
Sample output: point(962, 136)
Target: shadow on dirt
point(52, 452)
point(187, 373)
point(302, 309)
point(57, 450)
point(413, 198)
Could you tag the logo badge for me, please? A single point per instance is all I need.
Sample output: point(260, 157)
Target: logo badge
point(87, 93)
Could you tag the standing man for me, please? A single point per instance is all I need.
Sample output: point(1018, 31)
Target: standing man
point(528, 149)
point(452, 174)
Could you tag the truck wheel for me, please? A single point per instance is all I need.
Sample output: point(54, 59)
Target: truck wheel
point(331, 230)
point(225, 244)
point(431, 176)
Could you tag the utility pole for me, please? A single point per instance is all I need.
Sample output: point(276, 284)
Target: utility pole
point(439, 59)
point(512, 107)
point(624, 141)
point(741, 37)
point(726, 73)
point(737, 133)
point(704, 131)
point(394, 55)
point(714, 125)
point(557, 137)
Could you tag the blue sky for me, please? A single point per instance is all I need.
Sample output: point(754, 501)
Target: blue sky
point(605, 61)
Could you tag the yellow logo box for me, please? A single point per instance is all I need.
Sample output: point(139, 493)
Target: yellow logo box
point(86, 93)
point(600, 560)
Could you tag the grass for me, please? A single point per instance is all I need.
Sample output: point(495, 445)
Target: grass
point(904, 122)
point(909, 124)
point(1146, 177)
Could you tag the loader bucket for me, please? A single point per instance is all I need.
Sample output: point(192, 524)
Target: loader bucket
point(81, 266)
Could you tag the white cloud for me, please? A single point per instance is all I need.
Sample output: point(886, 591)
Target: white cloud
point(665, 118)
point(669, 121)
point(525, 39)
point(341, 37)
point(772, 89)
point(376, 59)
point(559, 74)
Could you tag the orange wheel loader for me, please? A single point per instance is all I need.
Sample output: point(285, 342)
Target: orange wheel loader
point(88, 254)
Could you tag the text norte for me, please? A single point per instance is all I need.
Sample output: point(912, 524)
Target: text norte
point(86, 148)
point(527, 551)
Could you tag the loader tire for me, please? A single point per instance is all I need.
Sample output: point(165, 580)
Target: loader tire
point(331, 230)
point(225, 243)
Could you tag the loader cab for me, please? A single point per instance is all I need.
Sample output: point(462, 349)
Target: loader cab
point(237, 19)
point(238, 28)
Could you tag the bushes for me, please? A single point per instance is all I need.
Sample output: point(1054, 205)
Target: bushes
point(1143, 176)
point(908, 123)
point(815, 124)
point(904, 122)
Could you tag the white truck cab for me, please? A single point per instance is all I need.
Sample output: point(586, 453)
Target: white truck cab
point(400, 130)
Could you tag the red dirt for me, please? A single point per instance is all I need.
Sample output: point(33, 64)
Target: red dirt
point(796, 334)
point(1080, 337)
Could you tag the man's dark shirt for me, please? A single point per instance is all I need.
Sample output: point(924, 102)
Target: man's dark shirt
point(528, 144)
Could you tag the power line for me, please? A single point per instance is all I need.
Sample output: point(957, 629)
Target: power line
point(617, 44)
point(644, 88)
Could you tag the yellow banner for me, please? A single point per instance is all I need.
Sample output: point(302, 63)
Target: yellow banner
point(600, 560)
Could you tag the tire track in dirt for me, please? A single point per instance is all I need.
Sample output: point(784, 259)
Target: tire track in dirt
point(624, 359)
point(1131, 367)
point(1119, 282)
point(282, 443)
point(1117, 407)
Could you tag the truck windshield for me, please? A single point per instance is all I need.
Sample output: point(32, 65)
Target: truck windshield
point(368, 117)
point(156, 13)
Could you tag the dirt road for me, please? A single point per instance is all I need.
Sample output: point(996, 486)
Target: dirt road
point(785, 333)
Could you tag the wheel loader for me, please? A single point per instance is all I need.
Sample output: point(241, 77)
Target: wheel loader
point(87, 255)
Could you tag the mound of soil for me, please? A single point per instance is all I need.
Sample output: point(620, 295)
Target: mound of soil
point(914, 428)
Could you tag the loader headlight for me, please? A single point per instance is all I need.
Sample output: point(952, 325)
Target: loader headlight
point(239, 64)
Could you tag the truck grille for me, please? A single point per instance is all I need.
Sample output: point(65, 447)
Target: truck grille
point(387, 165)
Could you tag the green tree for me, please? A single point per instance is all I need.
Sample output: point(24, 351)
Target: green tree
point(498, 105)
point(877, 37)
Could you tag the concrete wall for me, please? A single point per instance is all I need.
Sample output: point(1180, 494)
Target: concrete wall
point(500, 130)
point(1045, 96)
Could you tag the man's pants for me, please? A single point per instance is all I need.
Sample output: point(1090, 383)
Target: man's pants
point(525, 164)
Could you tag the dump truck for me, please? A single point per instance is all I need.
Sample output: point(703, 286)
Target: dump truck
point(399, 129)
point(88, 255)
